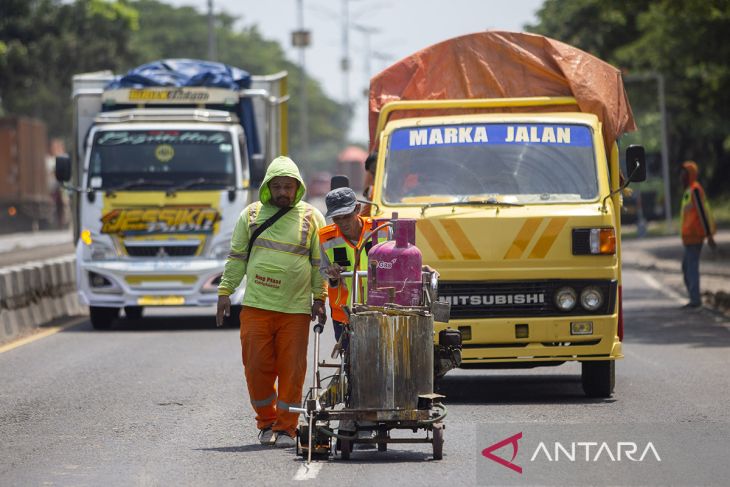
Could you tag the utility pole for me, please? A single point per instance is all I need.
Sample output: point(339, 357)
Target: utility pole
point(659, 78)
point(345, 61)
point(212, 55)
point(301, 40)
point(665, 155)
point(366, 31)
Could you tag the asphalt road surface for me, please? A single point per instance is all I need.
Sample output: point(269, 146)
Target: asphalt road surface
point(162, 401)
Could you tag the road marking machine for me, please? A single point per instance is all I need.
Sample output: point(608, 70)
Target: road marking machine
point(384, 378)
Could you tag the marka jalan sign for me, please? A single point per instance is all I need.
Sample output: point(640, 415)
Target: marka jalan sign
point(166, 220)
point(574, 451)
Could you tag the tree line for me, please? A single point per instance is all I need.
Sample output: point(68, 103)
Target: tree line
point(688, 42)
point(43, 43)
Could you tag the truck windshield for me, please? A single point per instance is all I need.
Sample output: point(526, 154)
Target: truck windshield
point(162, 158)
point(519, 163)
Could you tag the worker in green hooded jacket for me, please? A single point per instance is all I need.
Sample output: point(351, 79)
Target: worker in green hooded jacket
point(284, 291)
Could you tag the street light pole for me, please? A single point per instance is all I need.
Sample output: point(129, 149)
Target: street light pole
point(211, 33)
point(345, 61)
point(304, 115)
point(300, 39)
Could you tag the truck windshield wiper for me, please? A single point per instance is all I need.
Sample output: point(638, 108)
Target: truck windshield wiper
point(135, 183)
point(486, 202)
point(198, 182)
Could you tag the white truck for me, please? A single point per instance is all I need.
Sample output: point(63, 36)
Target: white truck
point(159, 176)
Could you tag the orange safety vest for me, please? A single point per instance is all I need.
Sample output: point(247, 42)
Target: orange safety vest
point(693, 227)
point(340, 250)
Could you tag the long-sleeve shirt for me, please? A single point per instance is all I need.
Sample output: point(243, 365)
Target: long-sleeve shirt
point(283, 268)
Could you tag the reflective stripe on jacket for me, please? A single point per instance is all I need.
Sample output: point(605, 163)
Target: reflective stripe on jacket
point(283, 268)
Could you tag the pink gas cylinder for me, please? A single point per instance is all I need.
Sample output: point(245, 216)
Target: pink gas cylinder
point(394, 268)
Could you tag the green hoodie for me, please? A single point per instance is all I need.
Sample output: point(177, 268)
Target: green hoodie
point(283, 269)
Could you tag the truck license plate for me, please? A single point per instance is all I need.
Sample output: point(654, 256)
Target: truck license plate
point(160, 300)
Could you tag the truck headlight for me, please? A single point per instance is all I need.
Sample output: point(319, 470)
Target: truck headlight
point(221, 250)
point(591, 298)
point(565, 298)
point(100, 251)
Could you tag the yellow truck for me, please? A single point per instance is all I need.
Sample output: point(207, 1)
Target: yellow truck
point(517, 198)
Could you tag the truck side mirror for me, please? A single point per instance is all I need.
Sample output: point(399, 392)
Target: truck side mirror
point(339, 182)
point(636, 163)
point(63, 169)
point(257, 170)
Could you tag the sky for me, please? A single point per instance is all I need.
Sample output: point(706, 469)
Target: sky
point(397, 28)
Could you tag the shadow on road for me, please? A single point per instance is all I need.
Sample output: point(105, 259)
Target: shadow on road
point(365, 457)
point(157, 323)
point(236, 449)
point(513, 389)
point(662, 326)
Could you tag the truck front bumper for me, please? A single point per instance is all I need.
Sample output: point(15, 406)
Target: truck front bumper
point(160, 282)
point(549, 340)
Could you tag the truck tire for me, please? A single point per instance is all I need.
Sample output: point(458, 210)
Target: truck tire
point(599, 378)
point(102, 318)
point(233, 321)
point(133, 312)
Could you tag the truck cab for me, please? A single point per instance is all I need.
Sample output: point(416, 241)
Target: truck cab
point(519, 212)
point(161, 176)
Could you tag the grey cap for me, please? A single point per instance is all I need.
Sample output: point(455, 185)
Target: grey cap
point(340, 201)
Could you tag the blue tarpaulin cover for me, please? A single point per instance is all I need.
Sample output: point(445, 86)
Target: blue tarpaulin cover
point(194, 72)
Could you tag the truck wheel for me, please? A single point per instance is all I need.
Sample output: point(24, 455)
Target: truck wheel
point(438, 441)
point(345, 449)
point(599, 378)
point(133, 312)
point(233, 321)
point(102, 318)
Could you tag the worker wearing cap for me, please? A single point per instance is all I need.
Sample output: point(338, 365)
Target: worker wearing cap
point(338, 242)
point(697, 224)
point(276, 245)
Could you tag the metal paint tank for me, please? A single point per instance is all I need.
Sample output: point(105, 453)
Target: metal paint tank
point(394, 268)
point(391, 359)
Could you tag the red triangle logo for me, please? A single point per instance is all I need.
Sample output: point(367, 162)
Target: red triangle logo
point(487, 452)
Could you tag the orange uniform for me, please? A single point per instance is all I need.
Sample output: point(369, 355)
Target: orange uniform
point(337, 249)
point(696, 216)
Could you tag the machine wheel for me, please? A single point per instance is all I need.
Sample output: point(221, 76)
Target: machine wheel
point(599, 378)
point(299, 446)
point(133, 312)
point(345, 449)
point(233, 321)
point(102, 318)
point(438, 441)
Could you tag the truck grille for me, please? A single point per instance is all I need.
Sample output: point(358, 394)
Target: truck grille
point(519, 299)
point(161, 250)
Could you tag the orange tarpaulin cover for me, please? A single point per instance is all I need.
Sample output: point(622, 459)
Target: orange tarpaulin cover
point(504, 65)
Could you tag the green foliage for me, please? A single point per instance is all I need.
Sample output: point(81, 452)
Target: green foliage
point(47, 41)
point(687, 42)
point(43, 43)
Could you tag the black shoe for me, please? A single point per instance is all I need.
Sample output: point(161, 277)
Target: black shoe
point(692, 305)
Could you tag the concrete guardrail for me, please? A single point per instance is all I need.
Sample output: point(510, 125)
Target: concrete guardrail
point(36, 293)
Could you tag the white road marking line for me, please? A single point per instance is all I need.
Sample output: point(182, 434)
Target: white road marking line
point(651, 281)
point(308, 472)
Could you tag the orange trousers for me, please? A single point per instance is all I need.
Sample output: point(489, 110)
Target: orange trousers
point(274, 346)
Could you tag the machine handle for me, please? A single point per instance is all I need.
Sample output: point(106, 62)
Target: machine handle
point(319, 327)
